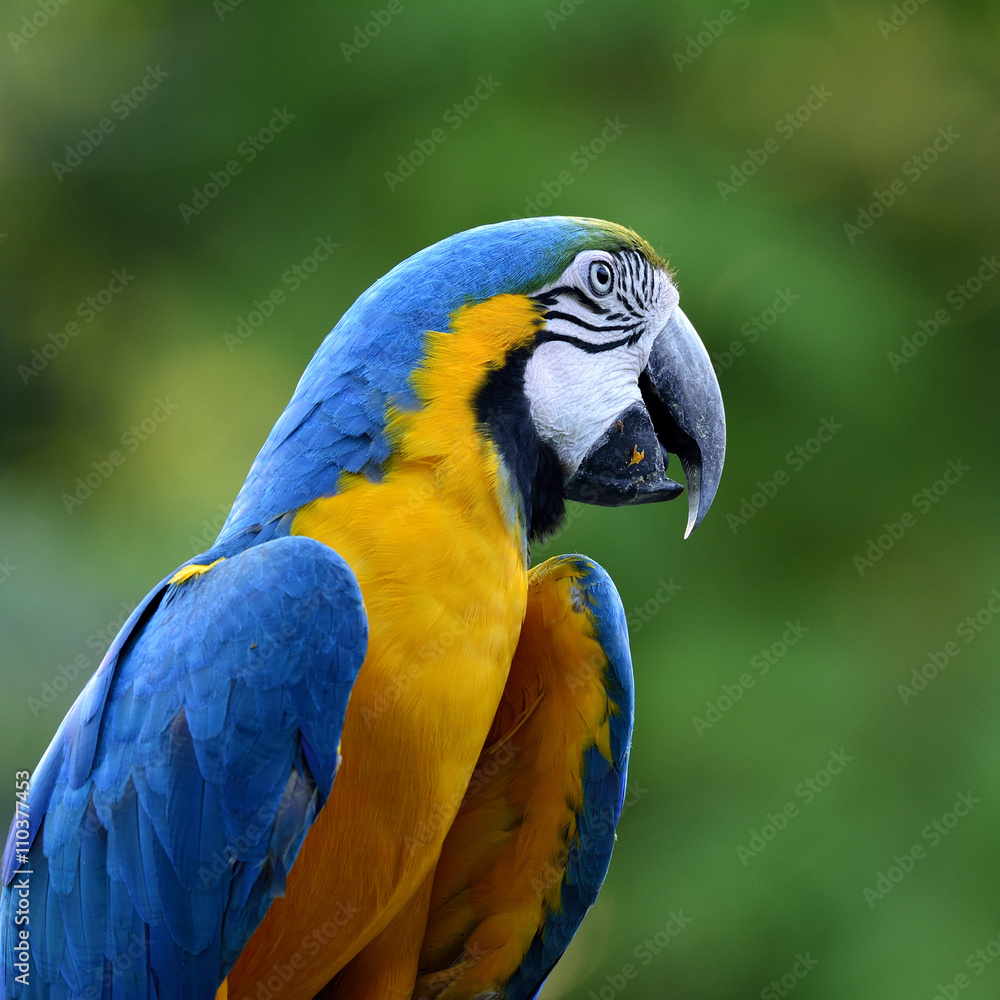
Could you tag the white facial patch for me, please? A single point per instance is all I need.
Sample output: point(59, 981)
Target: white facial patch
point(575, 397)
point(584, 373)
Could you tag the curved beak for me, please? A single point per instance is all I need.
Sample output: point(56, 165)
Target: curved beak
point(684, 402)
point(681, 412)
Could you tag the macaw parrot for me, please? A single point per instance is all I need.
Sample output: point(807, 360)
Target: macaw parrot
point(359, 748)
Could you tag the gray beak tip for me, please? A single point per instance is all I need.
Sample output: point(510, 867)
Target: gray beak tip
point(687, 411)
point(693, 522)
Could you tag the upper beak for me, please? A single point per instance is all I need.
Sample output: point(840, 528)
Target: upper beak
point(684, 402)
point(681, 412)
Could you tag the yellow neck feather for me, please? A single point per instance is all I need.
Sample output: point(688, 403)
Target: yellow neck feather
point(441, 561)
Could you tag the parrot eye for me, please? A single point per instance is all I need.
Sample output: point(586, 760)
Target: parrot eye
point(601, 278)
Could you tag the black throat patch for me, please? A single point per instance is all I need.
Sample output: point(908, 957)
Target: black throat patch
point(503, 408)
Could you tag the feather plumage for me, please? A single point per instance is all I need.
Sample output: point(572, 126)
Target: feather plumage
point(172, 807)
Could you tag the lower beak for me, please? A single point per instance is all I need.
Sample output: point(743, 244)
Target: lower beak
point(681, 412)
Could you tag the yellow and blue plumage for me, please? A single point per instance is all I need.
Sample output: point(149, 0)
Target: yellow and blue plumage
point(364, 656)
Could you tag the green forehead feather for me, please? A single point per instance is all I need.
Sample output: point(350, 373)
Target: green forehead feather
point(581, 234)
point(611, 236)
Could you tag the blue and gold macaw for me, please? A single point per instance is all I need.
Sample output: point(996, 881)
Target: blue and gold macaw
point(358, 748)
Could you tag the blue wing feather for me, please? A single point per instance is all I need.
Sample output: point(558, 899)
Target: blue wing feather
point(558, 719)
point(180, 787)
point(604, 784)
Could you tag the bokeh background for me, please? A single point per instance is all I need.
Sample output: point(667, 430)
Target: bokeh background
point(843, 409)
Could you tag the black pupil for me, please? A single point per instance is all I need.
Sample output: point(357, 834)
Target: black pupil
point(602, 275)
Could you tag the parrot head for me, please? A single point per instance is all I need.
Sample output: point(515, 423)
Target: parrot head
point(619, 379)
point(614, 379)
point(589, 375)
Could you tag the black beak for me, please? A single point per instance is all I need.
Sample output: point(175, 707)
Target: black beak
point(682, 413)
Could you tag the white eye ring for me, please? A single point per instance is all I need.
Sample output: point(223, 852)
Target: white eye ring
point(600, 277)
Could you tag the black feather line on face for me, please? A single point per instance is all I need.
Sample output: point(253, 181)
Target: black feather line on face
point(550, 298)
point(547, 336)
point(597, 328)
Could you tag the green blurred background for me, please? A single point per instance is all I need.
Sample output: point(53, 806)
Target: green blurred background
point(692, 101)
